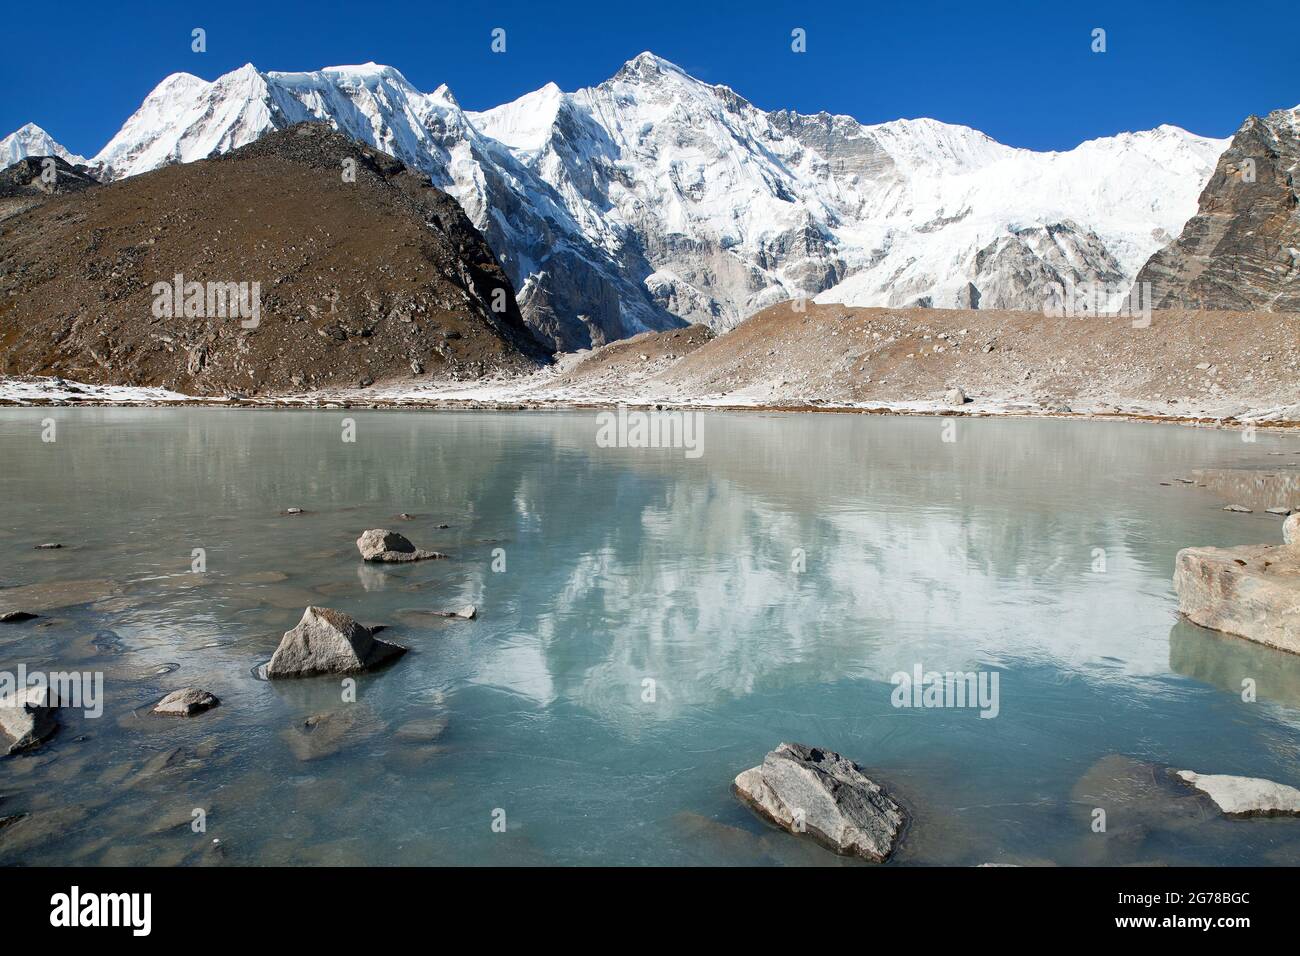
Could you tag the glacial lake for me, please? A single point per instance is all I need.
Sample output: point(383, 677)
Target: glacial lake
point(659, 624)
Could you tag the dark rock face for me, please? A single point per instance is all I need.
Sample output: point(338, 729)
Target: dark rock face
point(1241, 251)
point(364, 269)
point(44, 175)
point(32, 180)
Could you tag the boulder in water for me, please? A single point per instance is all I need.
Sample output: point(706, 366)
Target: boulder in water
point(327, 641)
point(1252, 591)
point(29, 717)
point(378, 544)
point(806, 790)
point(1245, 796)
point(186, 703)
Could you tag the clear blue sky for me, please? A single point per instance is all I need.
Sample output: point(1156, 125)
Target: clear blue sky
point(1023, 72)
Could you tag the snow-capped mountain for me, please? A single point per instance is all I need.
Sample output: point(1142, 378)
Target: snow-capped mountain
point(31, 140)
point(572, 292)
point(654, 198)
point(736, 208)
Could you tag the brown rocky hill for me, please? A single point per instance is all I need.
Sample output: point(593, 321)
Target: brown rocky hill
point(1184, 364)
point(1241, 251)
point(361, 277)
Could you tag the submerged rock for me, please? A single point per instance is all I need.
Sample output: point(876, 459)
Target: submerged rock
point(1245, 796)
point(805, 790)
point(378, 544)
point(29, 717)
point(322, 735)
point(423, 730)
point(17, 617)
point(186, 703)
point(467, 613)
point(329, 642)
point(1252, 591)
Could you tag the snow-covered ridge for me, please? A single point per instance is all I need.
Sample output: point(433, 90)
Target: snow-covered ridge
point(31, 140)
point(654, 198)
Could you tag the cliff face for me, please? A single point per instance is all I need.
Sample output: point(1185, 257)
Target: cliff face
point(353, 278)
point(1241, 251)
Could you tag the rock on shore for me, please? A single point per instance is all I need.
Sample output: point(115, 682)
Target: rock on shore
point(806, 790)
point(1251, 591)
point(29, 717)
point(1245, 796)
point(327, 641)
point(378, 544)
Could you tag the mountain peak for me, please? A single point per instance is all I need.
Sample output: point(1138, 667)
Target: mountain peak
point(647, 64)
point(30, 140)
point(524, 123)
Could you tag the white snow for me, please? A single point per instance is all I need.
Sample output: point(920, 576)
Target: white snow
point(41, 389)
point(31, 140)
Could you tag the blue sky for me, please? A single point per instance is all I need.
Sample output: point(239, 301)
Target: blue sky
point(1023, 72)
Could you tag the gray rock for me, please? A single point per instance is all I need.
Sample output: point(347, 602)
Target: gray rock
point(1246, 796)
point(29, 717)
point(323, 735)
point(328, 642)
point(378, 544)
point(1240, 509)
point(815, 792)
point(1291, 530)
point(1252, 591)
point(467, 613)
point(186, 703)
point(48, 546)
point(955, 396)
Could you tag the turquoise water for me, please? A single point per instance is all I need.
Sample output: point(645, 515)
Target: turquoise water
point(623, 566)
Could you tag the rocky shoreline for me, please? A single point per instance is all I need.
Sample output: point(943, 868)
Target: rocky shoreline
point(40, 396)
